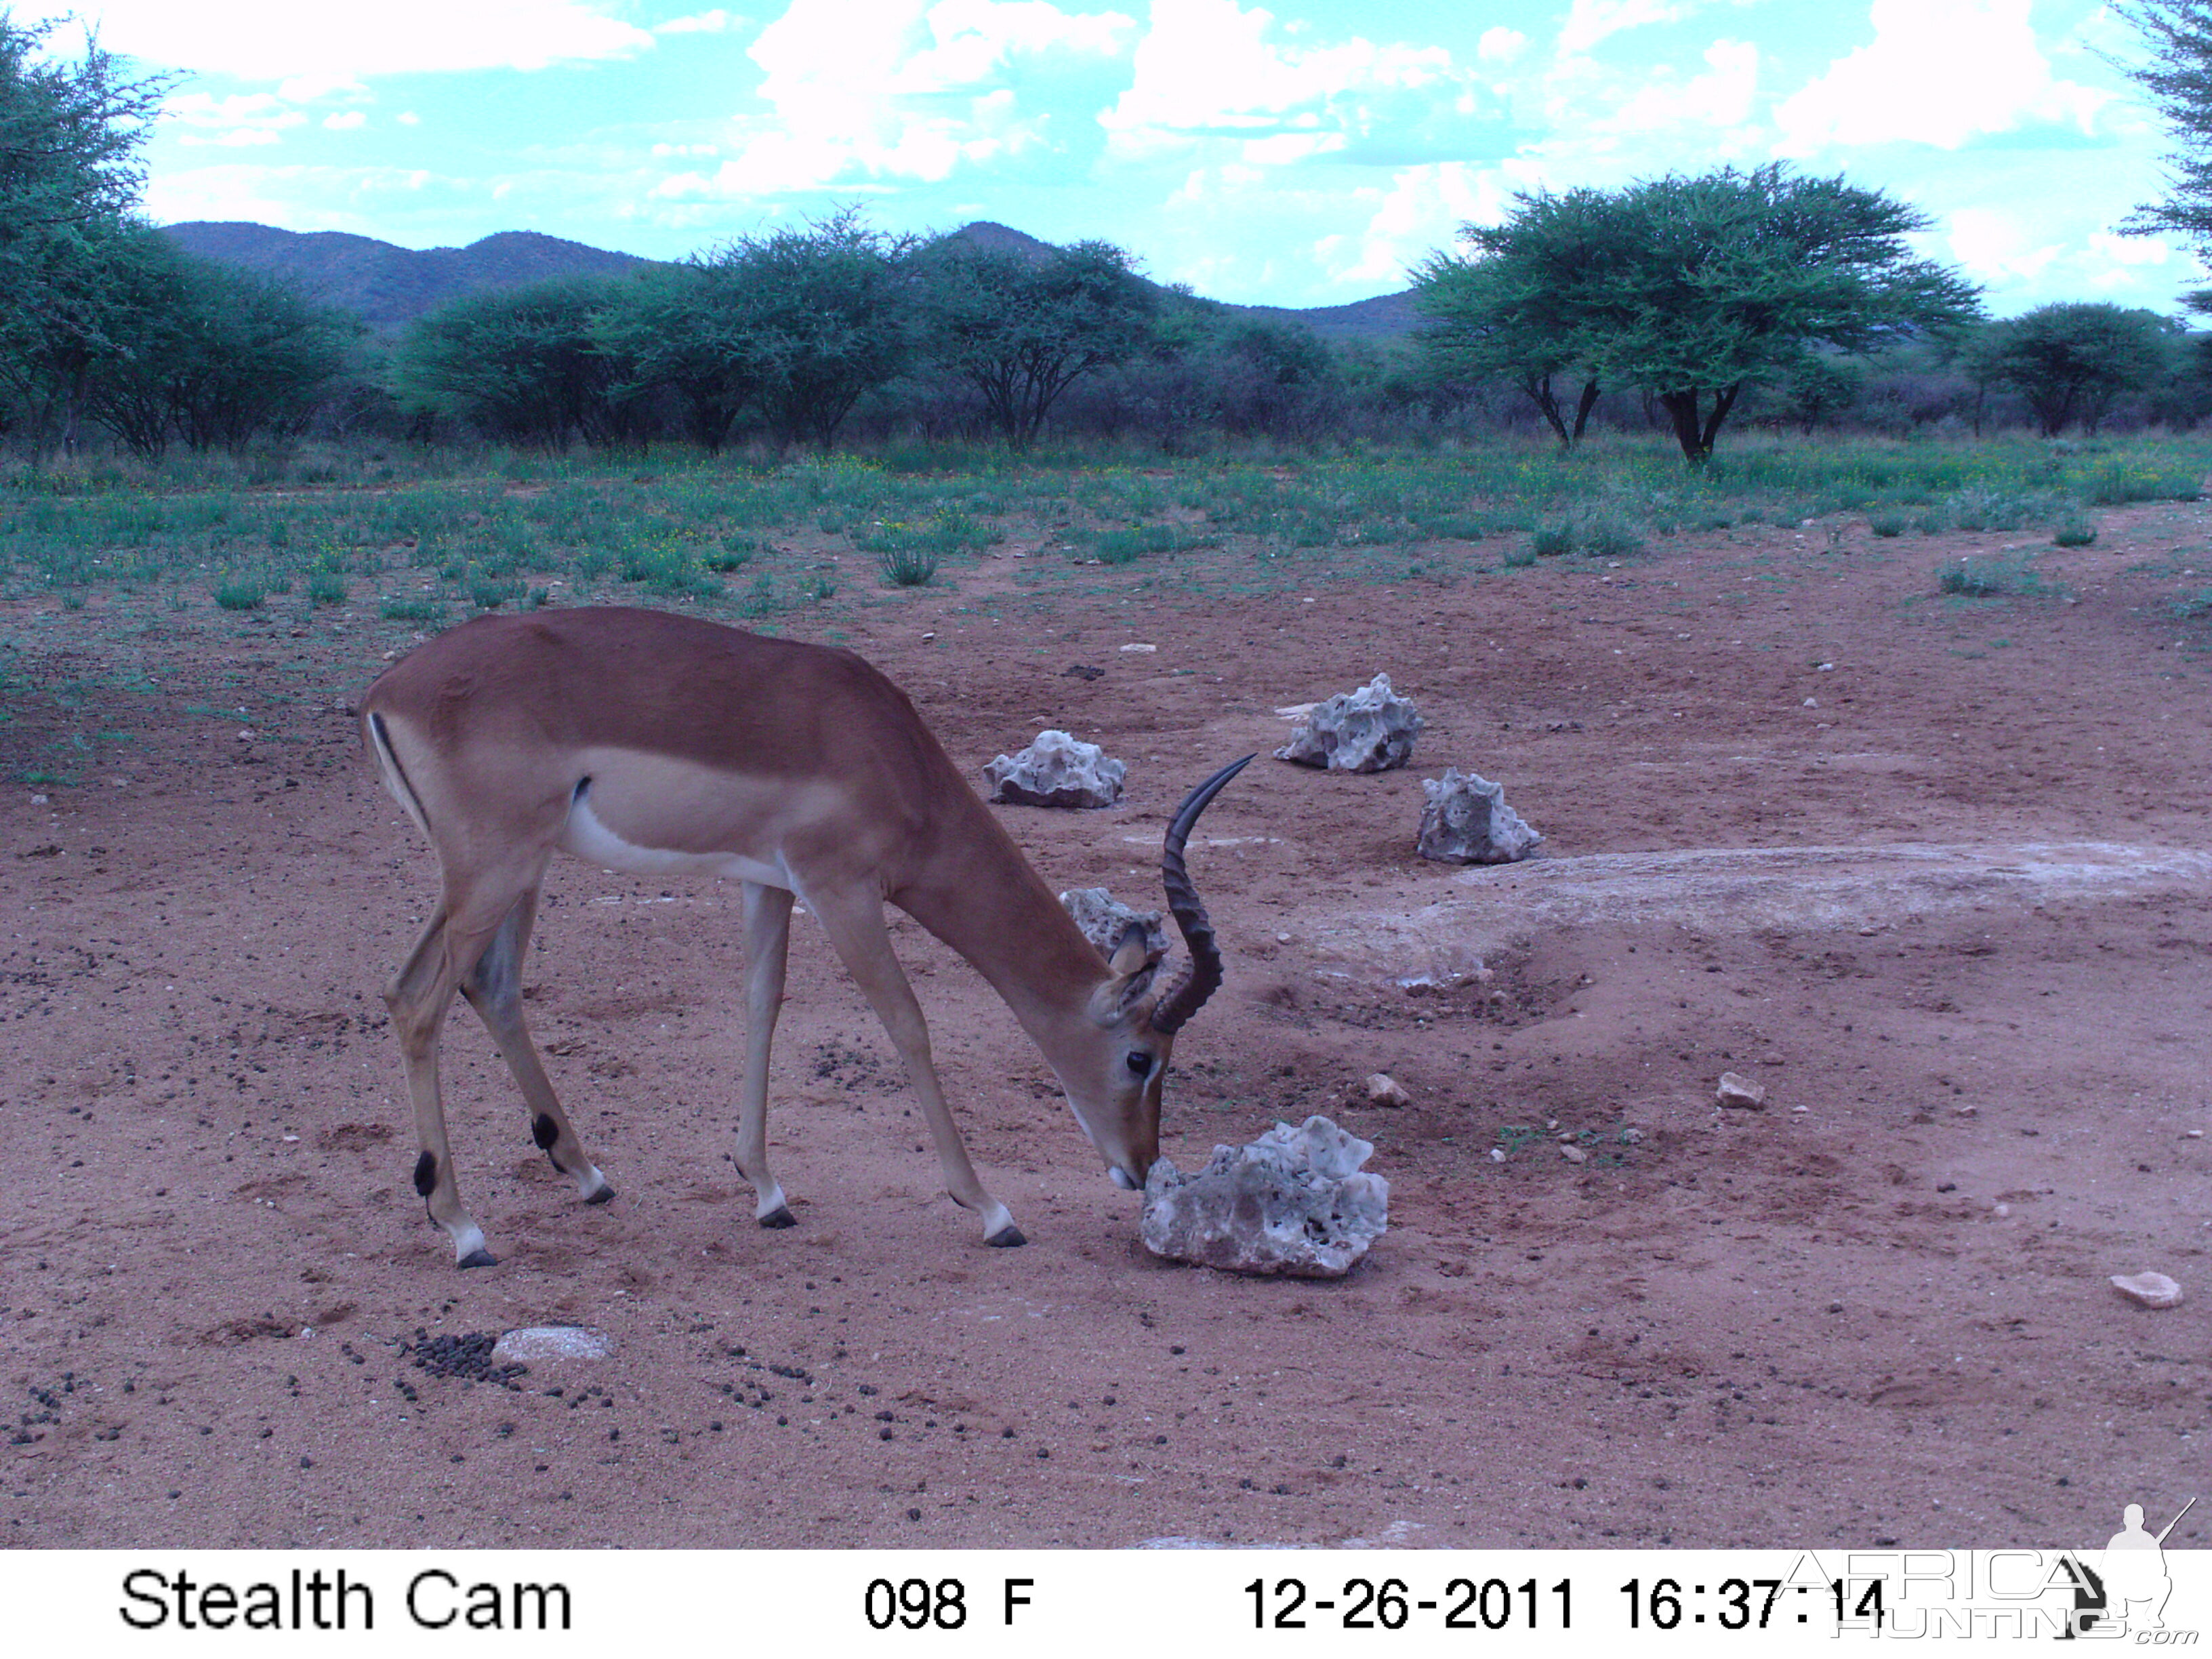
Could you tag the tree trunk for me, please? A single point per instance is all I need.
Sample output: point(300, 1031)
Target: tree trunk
point(1539, 388)
point(1584, 404)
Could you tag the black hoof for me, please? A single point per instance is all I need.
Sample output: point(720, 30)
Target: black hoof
point(605, 1195)
point(779, 1217)
point(1007, 1237)
point(479, 1258)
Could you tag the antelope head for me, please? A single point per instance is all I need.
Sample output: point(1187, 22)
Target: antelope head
point(1116, 1091)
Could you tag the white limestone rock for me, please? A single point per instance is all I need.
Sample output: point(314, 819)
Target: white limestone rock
point(1056, 771)
point(2148, 1290)
point(1293, 1201)
point(1370, 730)
point(1105, 919)
point(1740, 1092)
point(1466, 821)
point(534, 1345)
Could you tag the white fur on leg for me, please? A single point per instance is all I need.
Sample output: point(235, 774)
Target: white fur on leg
point(771, 1200)
point(467, 1240)
point(997, 1217)
point(590, 1183)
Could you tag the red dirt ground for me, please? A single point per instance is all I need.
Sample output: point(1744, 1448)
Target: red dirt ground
point(1945, 899)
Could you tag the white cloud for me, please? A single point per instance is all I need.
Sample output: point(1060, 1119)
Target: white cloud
point(1721, 97)
point(716, 21)
point(1205, 69)
point(272, 40)
point(863, 90)
point(1501, 45)
point(346, 120)
point(1589, 21)
point(1938, 72)
point(1995, 245)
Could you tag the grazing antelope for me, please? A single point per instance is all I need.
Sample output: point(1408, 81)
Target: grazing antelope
point(658, 744)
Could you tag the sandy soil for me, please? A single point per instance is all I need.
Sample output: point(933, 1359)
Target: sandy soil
point(1934, 873)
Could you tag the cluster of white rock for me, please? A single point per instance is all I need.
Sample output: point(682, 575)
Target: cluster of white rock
point(1057, 769)
point(1293, 1201)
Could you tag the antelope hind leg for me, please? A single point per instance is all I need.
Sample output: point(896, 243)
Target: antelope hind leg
point(768, 942)
point(494, 989)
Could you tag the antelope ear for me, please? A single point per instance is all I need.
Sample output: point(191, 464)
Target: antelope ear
point(1135, 967)
point(1130, 954)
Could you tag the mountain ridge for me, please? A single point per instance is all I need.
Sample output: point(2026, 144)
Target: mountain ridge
point(390, 286)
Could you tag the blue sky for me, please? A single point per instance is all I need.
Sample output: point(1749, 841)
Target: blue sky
point(1303, 154)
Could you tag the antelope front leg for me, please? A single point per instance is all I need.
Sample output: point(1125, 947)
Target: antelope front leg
point(856, 926)
point(768, 941)
point(494, 989)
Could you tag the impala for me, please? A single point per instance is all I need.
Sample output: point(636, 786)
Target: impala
point(656, 745)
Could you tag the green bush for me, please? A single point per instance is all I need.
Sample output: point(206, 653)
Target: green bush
point(908, 564)
point(1993, 575)
point(1887, 523)
point(1609, 536)
point(734, 552)
point(1520, 557)
point(423, 610)
point(325, 587)
point(2075, 531)
point(240, 592)
point(1551, 541)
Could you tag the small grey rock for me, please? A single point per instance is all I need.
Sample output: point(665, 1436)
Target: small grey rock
point(1370, 730)
point(1739, 1092)
point(1293, 1201)
point(2148, 1290)
point(1381, 1089)
point(1056, 771)
point(1466, 821)
point(1105, 919)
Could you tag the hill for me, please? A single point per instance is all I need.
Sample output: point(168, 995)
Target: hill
point(391, 286)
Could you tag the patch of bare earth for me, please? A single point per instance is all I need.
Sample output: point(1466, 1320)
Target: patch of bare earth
point(1952, 912)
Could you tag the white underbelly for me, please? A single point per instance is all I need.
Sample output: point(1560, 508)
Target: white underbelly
point(589, 839)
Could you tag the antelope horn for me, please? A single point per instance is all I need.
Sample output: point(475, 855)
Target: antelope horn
point(1201, 978)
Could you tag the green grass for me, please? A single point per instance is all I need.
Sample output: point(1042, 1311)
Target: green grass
point(1994, 576)
point(367, 525)
point(240, 592)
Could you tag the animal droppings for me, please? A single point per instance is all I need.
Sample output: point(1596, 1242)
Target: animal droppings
point(1056, 771)
point(1370, 730)
point(1293, 1201)
point(2148, 1290)
point(1105, 919)
point(1466, 821)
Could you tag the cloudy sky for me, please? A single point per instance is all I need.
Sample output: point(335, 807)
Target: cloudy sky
point(1302, 154)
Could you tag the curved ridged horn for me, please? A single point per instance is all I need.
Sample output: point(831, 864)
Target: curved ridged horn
point(1201, 977)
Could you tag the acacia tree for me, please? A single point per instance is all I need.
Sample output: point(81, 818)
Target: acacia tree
point(2071, 362)
point(683, 327)
point(2179, 78)
point(1508, 312)
point(70, 179)
point(520, 363)
point(1021, 329)
point(1693, 288)
point(812, 317)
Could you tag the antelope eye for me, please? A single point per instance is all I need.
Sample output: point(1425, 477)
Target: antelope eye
point(1140, 1063)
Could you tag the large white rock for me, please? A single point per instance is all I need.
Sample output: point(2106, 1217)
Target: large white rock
point(1105, 919)
point(1370, 730)
point(534, 1345)
point(1294, 1201)
point(1466, 821)
point(1056, 771)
